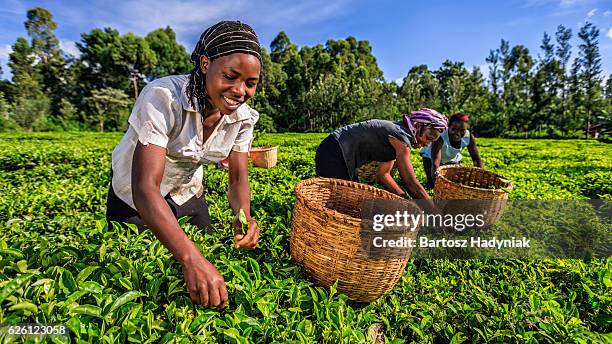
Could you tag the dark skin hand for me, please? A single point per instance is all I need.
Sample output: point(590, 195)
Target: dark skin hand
point(239, 197)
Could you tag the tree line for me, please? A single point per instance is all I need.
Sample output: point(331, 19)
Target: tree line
point(311, 88)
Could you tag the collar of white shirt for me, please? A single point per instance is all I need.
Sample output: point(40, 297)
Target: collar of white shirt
point(239, 114)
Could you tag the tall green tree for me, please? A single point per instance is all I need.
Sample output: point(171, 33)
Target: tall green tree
point(110, 60)
point(563, 53)
point(517, 97)
point(545, 85)
point(110, 109)
point(29, 101)
point(420, 88)
point(499, 74)
point(269, 94)
point(590, 73)
point(477, 102)
point(575, 98)
point(45, 45)
point(26, 78)
point(494, 77)
point(606, 118)
point(40, 26)
point(504, 56)
point(172, 58)
point(452, 77)
point(286, 54)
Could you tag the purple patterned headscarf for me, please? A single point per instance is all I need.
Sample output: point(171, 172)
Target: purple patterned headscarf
point(427, 116)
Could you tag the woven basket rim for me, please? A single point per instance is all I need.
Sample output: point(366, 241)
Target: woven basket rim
point(448, 167)
point(333, 213)
point(263, 148)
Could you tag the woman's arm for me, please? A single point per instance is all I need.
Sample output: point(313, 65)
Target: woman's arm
point(204, 283)
point(402, 154)
point(474, 152)
point(436, 158)
point(239, 197)
point(383, 175)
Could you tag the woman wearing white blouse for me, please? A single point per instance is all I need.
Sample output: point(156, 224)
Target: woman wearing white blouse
point(179, 123)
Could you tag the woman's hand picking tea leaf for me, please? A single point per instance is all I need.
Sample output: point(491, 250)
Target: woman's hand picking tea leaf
point(246, 231)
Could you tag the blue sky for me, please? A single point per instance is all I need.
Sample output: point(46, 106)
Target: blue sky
point(403, 33)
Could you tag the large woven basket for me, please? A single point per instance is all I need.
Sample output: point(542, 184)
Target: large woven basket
point(325, 238)
point(472, 183)
point(367, 172)
point(265, 156)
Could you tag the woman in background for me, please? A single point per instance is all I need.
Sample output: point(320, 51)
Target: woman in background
point(352, 146)
point(447, 149)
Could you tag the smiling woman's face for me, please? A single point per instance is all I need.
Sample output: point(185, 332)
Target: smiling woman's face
point(230, 80)
point(457, 130)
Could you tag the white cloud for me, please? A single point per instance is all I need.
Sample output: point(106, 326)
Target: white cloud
point(607, 13)
point(5, 50)
point(190, 17)
point(530, 3)
point(609, 34)
point(561, 8)
point(591, 13)
point(69, 47)
point(570, 3)
point(562, 3)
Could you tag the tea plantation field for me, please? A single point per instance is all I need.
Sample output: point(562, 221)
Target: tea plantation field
point(59, 263)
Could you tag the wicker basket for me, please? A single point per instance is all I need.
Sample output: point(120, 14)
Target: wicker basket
point(265, 156)
point(463, 182)
point(325, 238)
point(367, 172)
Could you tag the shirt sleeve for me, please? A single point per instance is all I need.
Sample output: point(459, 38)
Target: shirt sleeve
point(152, 116)
point(396, 131)
point(245, 134)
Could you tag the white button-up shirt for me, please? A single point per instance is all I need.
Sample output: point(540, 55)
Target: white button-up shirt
point(164, 117)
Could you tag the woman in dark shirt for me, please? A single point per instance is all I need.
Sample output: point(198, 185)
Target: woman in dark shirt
point(352, 146)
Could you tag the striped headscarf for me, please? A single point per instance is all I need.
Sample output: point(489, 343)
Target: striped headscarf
point(428, 117)
point(221, 39)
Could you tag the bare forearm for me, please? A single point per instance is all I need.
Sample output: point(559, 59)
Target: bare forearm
point(239, 197)
point(158, 216)
point(415, 189)
point(474, 153)
point(390, 185)
point(435, 165)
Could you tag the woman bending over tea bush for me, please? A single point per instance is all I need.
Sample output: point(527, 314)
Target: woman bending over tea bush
point(178, 124)
point(447, 149)
point(350, 147)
